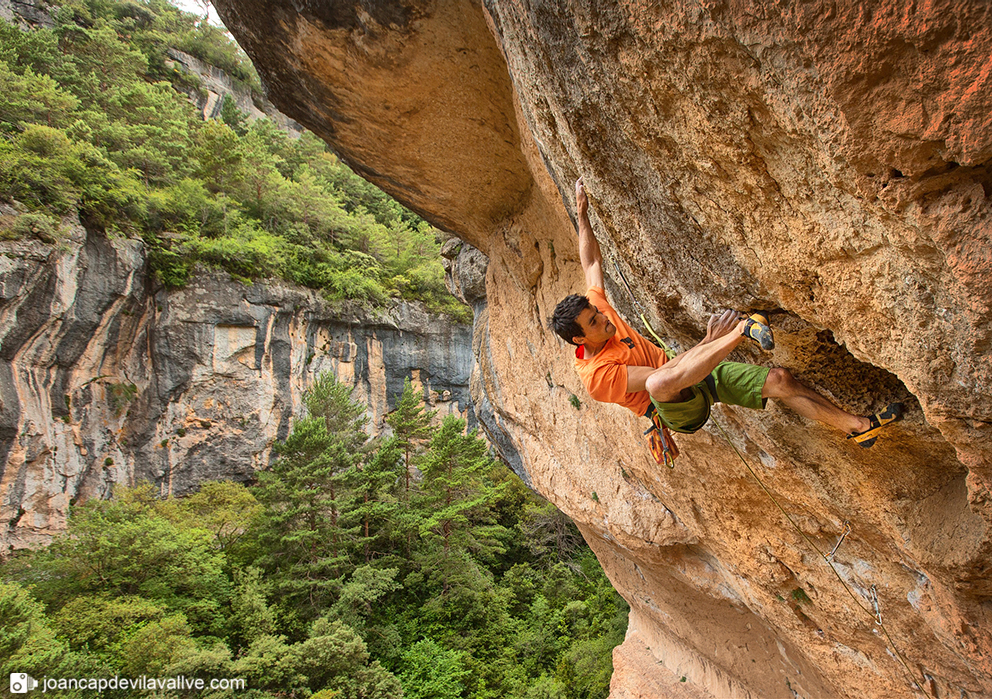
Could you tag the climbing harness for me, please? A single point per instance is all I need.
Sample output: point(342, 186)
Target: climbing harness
point(660, 440)
point(874, 611)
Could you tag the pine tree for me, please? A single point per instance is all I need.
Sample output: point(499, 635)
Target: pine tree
point(232, 116)
point(456, 500)
point(411, 423)
point(304, 493)
point(374, 506)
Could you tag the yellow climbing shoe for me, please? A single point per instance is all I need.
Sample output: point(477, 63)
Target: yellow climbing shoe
point(867, 438)
point(758, 329)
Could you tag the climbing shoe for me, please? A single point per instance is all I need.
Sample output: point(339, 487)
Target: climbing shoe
point(867, 438)
point(758, 329)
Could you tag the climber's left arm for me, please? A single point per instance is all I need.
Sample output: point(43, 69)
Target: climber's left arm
point(589, 252)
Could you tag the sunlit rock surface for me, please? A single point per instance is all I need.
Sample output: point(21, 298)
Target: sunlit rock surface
point(829, 160)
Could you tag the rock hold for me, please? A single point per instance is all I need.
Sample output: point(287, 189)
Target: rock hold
point(465, 272)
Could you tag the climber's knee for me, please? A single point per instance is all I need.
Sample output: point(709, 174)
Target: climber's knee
point(661, 387)
point(779, 384)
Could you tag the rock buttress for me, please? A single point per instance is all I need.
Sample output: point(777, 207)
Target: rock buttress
point(829, 160)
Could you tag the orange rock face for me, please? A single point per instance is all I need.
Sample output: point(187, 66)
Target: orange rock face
point(829, 160)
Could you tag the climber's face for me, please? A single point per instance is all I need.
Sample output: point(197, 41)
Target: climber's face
point(596, 327)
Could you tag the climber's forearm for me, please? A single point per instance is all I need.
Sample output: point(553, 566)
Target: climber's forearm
point(590, 256)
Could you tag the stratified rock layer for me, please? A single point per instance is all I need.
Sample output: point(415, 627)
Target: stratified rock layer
point(829, 160)
point(105, 379)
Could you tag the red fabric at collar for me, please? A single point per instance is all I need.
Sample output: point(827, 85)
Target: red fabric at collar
point(580, 352)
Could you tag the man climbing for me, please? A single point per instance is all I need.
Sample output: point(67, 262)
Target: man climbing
point(618, 365)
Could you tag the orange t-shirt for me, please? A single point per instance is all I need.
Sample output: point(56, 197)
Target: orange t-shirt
point(605, 374)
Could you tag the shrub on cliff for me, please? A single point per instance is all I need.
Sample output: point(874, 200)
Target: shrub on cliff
point(96, 122)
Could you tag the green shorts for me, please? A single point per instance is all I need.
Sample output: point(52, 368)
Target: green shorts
point(730, 382)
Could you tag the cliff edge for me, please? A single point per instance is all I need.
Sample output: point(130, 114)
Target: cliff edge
point(829, 160)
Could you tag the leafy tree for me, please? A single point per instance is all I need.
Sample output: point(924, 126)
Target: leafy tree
point(367, 586)
point(267, 663)
point(156, 646)
point(124, 547)
point(32, 98)
point(27, 641)
point(224, 508)
point(102, 623)
point(150, 131)
point(253, 616)
point(219, 156)
point(102, 59)
point(335, 658)
point(432, 672)
point(38, 50)
point(546, 687)
point(29, 644)
point(582, 664)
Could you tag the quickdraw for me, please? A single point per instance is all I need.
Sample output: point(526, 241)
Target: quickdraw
point(663, 447)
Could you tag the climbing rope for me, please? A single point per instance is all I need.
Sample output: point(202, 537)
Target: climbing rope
point(874, 612)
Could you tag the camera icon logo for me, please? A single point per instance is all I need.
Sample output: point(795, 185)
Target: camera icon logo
point(21, 682)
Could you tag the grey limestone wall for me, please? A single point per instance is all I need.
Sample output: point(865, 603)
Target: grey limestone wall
point(106, 379)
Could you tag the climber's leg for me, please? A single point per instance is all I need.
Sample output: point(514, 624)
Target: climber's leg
point(781, 384)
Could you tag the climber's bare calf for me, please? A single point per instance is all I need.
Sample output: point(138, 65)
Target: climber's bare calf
point(781, 384)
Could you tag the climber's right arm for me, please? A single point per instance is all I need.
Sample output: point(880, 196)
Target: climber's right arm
point(589, 253)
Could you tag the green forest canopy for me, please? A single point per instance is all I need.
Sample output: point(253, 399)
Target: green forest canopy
point(95, 119)
point(334, 576)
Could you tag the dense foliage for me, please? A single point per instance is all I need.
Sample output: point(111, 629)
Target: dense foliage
point(336, 576)
point(95, 119)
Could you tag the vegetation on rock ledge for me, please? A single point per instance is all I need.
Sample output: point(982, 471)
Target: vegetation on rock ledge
point(92, 120)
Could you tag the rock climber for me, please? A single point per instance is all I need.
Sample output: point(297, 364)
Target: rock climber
point(618, 365)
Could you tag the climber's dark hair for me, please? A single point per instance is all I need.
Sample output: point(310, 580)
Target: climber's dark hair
point(562, 321)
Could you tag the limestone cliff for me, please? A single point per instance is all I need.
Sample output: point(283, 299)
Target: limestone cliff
point(829, 160)
point(215, 84)
point(106, 379)
point(26, 13)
